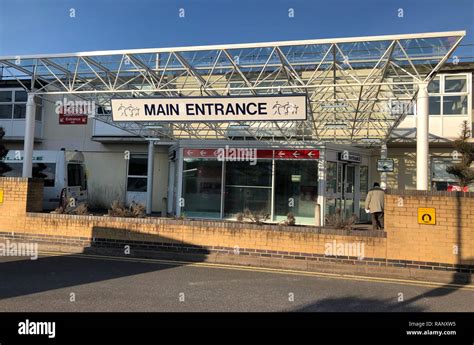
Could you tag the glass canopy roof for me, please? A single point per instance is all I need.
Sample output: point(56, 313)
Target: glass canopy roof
point(358, 88)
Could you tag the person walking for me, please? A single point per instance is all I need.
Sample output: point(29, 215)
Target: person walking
point(375, 204)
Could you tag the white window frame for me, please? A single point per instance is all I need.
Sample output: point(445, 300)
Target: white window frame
point(134, 176)
point(442, 94)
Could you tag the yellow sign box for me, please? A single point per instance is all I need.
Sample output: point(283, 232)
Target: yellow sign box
point(1, 196)
point(427, 215)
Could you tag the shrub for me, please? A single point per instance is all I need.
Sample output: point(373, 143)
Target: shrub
point(255, 217)
point(290, 219)
point(118, 209)
point(336, 221)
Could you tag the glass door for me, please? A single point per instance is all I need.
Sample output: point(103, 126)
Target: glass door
point(348, 196)
point(363, 190)
point(334, 175)
point(296, 190)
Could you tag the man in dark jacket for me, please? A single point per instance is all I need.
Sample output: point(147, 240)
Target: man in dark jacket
point(375, 204)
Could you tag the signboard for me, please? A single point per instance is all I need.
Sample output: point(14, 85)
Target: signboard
point(385, 165)
point(73, 115)
point(427, 215)
point(231, 152)
point(221, 109)
point(1, 196)
point(349, 156)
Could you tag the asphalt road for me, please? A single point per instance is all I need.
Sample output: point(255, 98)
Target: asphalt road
point(81, 283)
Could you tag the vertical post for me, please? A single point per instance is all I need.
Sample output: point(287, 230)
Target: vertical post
point(322, 163)
point(272, 200)
point(422, 144)
point(383, 175)
point(29, 136)
point(149, 181)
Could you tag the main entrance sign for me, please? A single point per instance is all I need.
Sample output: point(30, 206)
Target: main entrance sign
point(221, 109)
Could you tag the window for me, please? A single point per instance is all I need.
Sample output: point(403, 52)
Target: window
point(6, 96)
point(455, 84)
point(296, 189)
point(13, 170)
point(6, 111)
point(202, 181)
point(45, 171)
point(20, 96)
point(248, 186)
point(76, 176)
point(19, 111)
point(455, 105)
point(440, 179)
point(434, 86)
point(137, 173)
point(13, 104)
point(435, 105)
point(449, 95)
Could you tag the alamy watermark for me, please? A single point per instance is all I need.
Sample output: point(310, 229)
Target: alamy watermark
point(232, 154)
point(75, 107)
point(354, 249)
point(29, 249)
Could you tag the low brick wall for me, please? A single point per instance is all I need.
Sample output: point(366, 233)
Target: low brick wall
point(404, 244)
point(450, 240)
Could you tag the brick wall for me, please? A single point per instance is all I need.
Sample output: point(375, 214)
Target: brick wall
point(450, 240)
point(404, 244)
point(20, 195)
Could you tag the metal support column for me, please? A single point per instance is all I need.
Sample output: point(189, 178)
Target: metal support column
point(149, 181)
point(422, 143)
point(29, 136)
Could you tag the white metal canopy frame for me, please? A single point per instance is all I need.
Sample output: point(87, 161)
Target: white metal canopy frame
point(349, 82)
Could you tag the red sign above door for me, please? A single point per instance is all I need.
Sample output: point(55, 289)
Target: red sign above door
point(235, 152)
point(297, 154)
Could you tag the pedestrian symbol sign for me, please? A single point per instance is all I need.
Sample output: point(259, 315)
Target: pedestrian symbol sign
point(426, 215)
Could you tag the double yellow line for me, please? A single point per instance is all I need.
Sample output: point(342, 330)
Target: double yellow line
point(422, 283)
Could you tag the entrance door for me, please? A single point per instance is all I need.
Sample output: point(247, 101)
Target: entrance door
point(348, 190)
point(342, 189)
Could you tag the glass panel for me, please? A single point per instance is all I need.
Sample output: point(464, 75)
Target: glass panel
point(331, 177)
point(438, 171)
point(6, 96)
point(455, 105)
point(435, 105)
point(138, 165)
point(38, 113)
point(248, 186)
point(19, 111)
point(5, 111)
point(364, 179)
point(364, 188)
point(45, 171)
point(76, 176)
point(20, 96)
point(296, 190)
point(244, 174)
point(237, 199)
point(339, 178)
point(13, 170)
point(350, 179)
point(433, 86)
point(455, 84)
point(202, 183)
point(136, 184)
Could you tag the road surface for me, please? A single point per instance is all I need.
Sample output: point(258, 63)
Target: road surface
point(92, 283)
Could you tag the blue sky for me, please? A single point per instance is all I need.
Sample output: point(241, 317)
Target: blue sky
point(45, 26)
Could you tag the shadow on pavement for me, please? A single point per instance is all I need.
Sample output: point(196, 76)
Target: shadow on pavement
point(25, 276)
